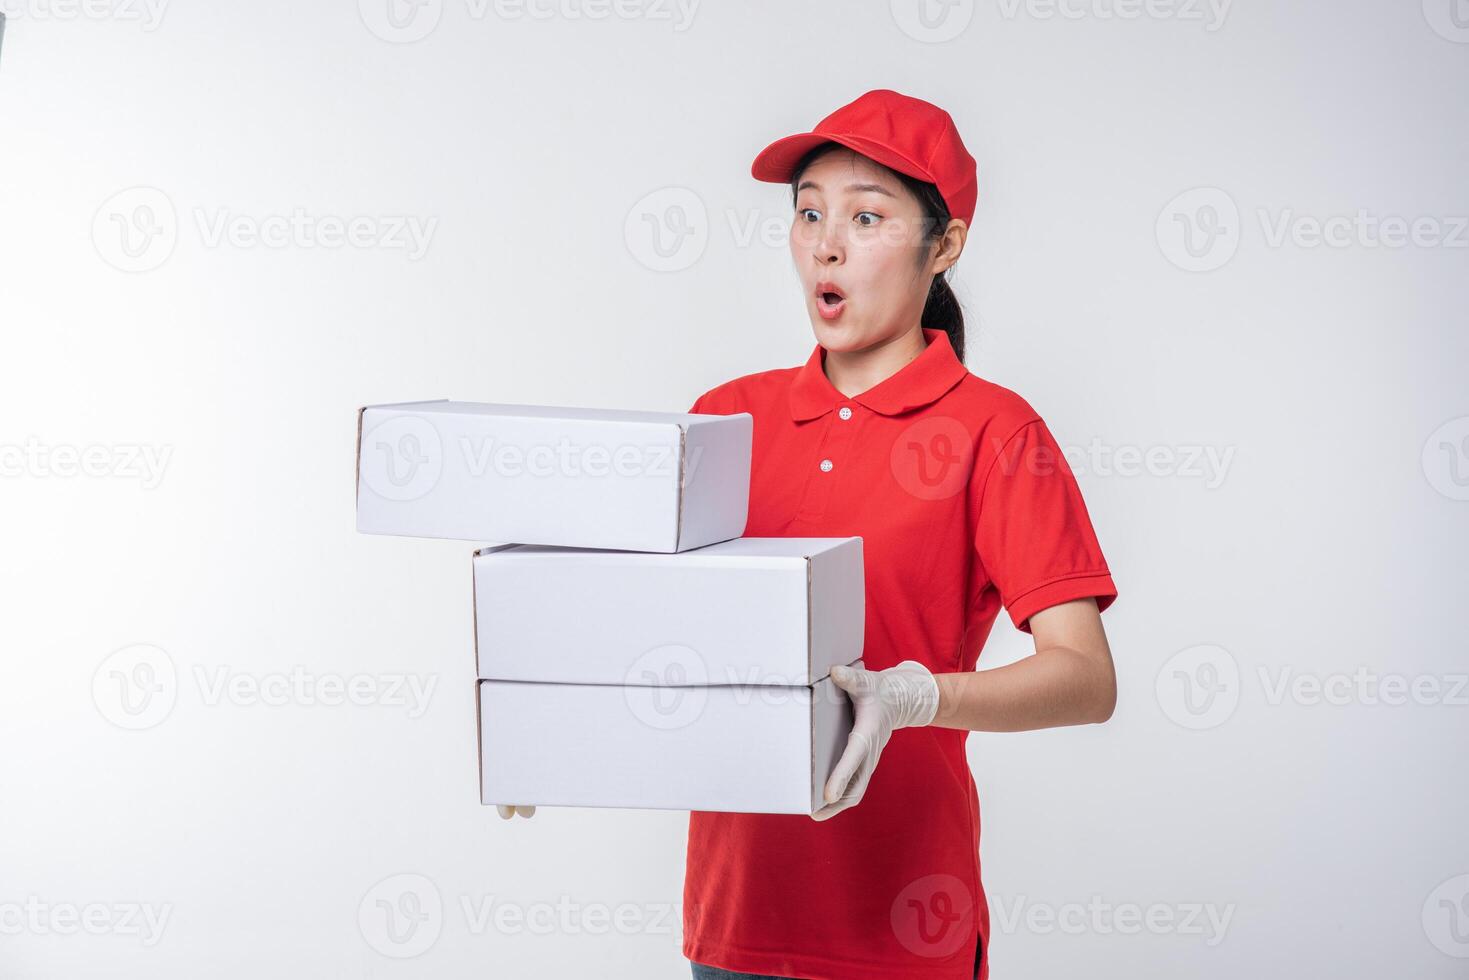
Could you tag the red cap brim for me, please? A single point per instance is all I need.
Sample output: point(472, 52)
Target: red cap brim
point(777, 162)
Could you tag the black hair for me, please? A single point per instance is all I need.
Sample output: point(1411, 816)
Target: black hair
point(941, 311)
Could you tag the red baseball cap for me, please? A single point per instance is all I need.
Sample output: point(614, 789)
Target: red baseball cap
point(908, 135)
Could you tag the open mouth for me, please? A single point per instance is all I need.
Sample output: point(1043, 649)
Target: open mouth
point(829, 300)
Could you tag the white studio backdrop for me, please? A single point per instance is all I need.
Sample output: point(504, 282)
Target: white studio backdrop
point(1221, 247)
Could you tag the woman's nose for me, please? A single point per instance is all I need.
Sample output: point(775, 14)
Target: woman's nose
point(829, 245)
point(820, 240)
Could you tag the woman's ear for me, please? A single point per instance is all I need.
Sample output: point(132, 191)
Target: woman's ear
point(951, 244)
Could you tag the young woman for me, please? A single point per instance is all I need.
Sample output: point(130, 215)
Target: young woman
point(964, 504)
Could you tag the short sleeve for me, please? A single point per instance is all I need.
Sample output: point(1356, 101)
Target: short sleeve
point(707, 404)
point(1033, 534)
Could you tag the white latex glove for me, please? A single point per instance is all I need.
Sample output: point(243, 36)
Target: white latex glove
point(883, 701)
point(509, 812)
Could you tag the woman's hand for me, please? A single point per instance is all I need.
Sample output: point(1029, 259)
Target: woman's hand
point(884, 701)
point(509, 811)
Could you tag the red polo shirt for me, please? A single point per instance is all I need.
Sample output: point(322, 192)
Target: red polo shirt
point(964, 504)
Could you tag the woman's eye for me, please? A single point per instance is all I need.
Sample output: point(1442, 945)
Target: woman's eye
point(806, 212)
point(871, 214)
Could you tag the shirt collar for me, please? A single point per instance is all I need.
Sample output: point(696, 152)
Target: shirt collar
point(919, 382)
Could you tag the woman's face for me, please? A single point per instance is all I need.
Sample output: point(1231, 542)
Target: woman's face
point(858, 232)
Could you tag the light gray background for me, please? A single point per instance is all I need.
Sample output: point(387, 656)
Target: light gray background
point(541, 148)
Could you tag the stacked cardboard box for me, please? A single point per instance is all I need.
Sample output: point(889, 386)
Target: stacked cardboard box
point(632, 649)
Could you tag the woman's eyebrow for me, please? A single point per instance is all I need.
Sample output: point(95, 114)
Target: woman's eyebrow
point(851, 188)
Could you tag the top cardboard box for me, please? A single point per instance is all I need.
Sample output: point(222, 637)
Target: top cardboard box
point(532, 474)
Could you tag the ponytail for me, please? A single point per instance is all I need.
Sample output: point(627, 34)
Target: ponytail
point(941, 311)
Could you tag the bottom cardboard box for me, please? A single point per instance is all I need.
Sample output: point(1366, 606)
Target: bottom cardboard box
point(733, 747)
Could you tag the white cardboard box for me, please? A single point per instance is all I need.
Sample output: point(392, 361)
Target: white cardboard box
point(584, 477)
point(775, 611)
point(741, 748)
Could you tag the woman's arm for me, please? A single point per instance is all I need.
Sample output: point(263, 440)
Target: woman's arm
point(1069, 681)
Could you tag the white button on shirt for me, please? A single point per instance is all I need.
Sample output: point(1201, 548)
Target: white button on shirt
point(844, 412)
point(826, 466)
